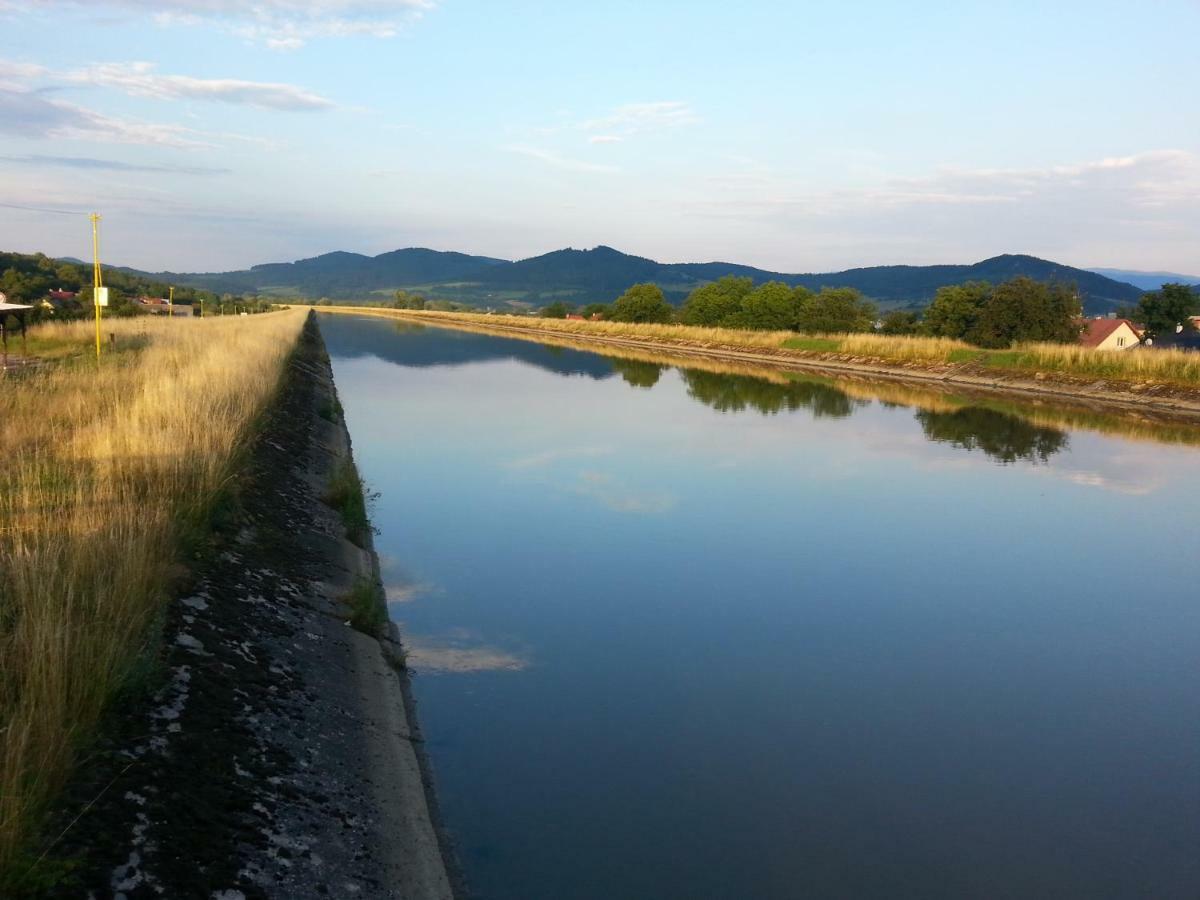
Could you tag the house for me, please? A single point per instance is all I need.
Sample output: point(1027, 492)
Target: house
point(161, 306)
point(60, 302)
point(1110, 334)
point(1188, 340)
point(575, 316)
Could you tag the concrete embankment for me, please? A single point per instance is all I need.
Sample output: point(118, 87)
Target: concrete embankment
point(1152, 400)
point(278, 757)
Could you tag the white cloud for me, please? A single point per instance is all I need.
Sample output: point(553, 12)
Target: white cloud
point(139, 79)
point(635, 118)
point(32, 115)
point(88, 163)
point(279, 24)
point(559, 162)
point(605, 139)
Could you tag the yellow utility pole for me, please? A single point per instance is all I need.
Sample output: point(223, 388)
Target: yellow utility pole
point(97, 280)
point(171, 302)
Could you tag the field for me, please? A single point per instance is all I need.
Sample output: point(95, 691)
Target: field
point(107, 471)
point(1171, 367)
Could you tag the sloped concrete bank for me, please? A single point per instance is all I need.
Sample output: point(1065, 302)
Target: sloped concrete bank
point(280, 757)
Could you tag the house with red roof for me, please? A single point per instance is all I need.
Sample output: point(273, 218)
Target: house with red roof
point(1110, 334)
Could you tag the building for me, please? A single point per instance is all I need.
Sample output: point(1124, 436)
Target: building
point(1188, 340)
point(1110, 334)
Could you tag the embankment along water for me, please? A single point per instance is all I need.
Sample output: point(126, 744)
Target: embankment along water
point(280, 757)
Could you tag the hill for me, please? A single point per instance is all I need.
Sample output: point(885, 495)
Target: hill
point(602, 273)
point(1147, 281)
point(340, 274)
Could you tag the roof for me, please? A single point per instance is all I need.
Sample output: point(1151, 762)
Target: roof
point(1097, 331)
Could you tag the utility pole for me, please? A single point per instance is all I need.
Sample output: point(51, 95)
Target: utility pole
point(171, 302)
point(98, 298)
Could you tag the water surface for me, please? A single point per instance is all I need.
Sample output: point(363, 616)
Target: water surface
point(693, 634)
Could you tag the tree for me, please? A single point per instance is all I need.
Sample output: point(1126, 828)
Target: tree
point(955, 309)
point(836, 310)
point(556, 310)
point(1171, 305)
point(773, 306)
point(716, 302)
point(642, 303)
point(900, 321)
point(405, 300)
point(594, 309)
point(1022, 309)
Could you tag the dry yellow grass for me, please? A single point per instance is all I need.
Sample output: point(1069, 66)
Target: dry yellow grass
point(102, 468)
point(906, 349)
point(685, 334)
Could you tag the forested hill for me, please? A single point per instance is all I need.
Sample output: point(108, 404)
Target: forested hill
point(343, 275)
point(28, 277)
point(600, 274)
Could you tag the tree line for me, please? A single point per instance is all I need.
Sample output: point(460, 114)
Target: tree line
point(29, 277)
point(978, 312)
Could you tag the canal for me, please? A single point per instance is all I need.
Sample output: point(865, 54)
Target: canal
point(699, 633)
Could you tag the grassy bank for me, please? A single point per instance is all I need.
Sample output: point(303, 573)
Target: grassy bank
point(1171, 367)
point(106, 469)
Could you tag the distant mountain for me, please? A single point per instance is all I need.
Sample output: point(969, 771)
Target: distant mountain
point(601, 274)
point(342, 275)
point(1147, 281)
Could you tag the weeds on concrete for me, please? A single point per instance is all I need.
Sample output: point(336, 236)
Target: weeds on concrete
point(368, 611)
point(348, 495)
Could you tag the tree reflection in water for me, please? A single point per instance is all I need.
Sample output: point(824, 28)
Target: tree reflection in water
point(1002, 436)
point(637, 373)
point(735, 393)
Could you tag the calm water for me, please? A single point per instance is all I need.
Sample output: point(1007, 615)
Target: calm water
point(689, 635)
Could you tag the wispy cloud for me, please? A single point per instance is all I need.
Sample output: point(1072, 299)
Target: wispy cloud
point(139, 79)
point(278, 24)
point(636, 118)
point(620, 497)
point(559, 162)
point(110, 165)
point(32, 115)
point(605, 139)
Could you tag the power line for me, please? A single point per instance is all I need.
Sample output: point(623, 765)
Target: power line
point(59, 212)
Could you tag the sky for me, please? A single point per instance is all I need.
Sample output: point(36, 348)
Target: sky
point(797, 136)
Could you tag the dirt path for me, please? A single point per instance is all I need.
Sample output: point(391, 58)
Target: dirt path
point(279, 758)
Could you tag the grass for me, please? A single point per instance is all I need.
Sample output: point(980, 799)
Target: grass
point(106, 468)
point(1172, 367)
point(347, 494)
point(368, 612)
point(813, 344)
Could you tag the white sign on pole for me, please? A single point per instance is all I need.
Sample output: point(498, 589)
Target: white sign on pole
point(102, 296)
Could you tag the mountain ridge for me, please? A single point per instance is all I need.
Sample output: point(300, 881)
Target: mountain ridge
point(601, 273)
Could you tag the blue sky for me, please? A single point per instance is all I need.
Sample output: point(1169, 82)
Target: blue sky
point(215, 134)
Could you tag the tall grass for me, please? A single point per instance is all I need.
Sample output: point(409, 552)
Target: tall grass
point(1135, 366)
point(103, 468)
